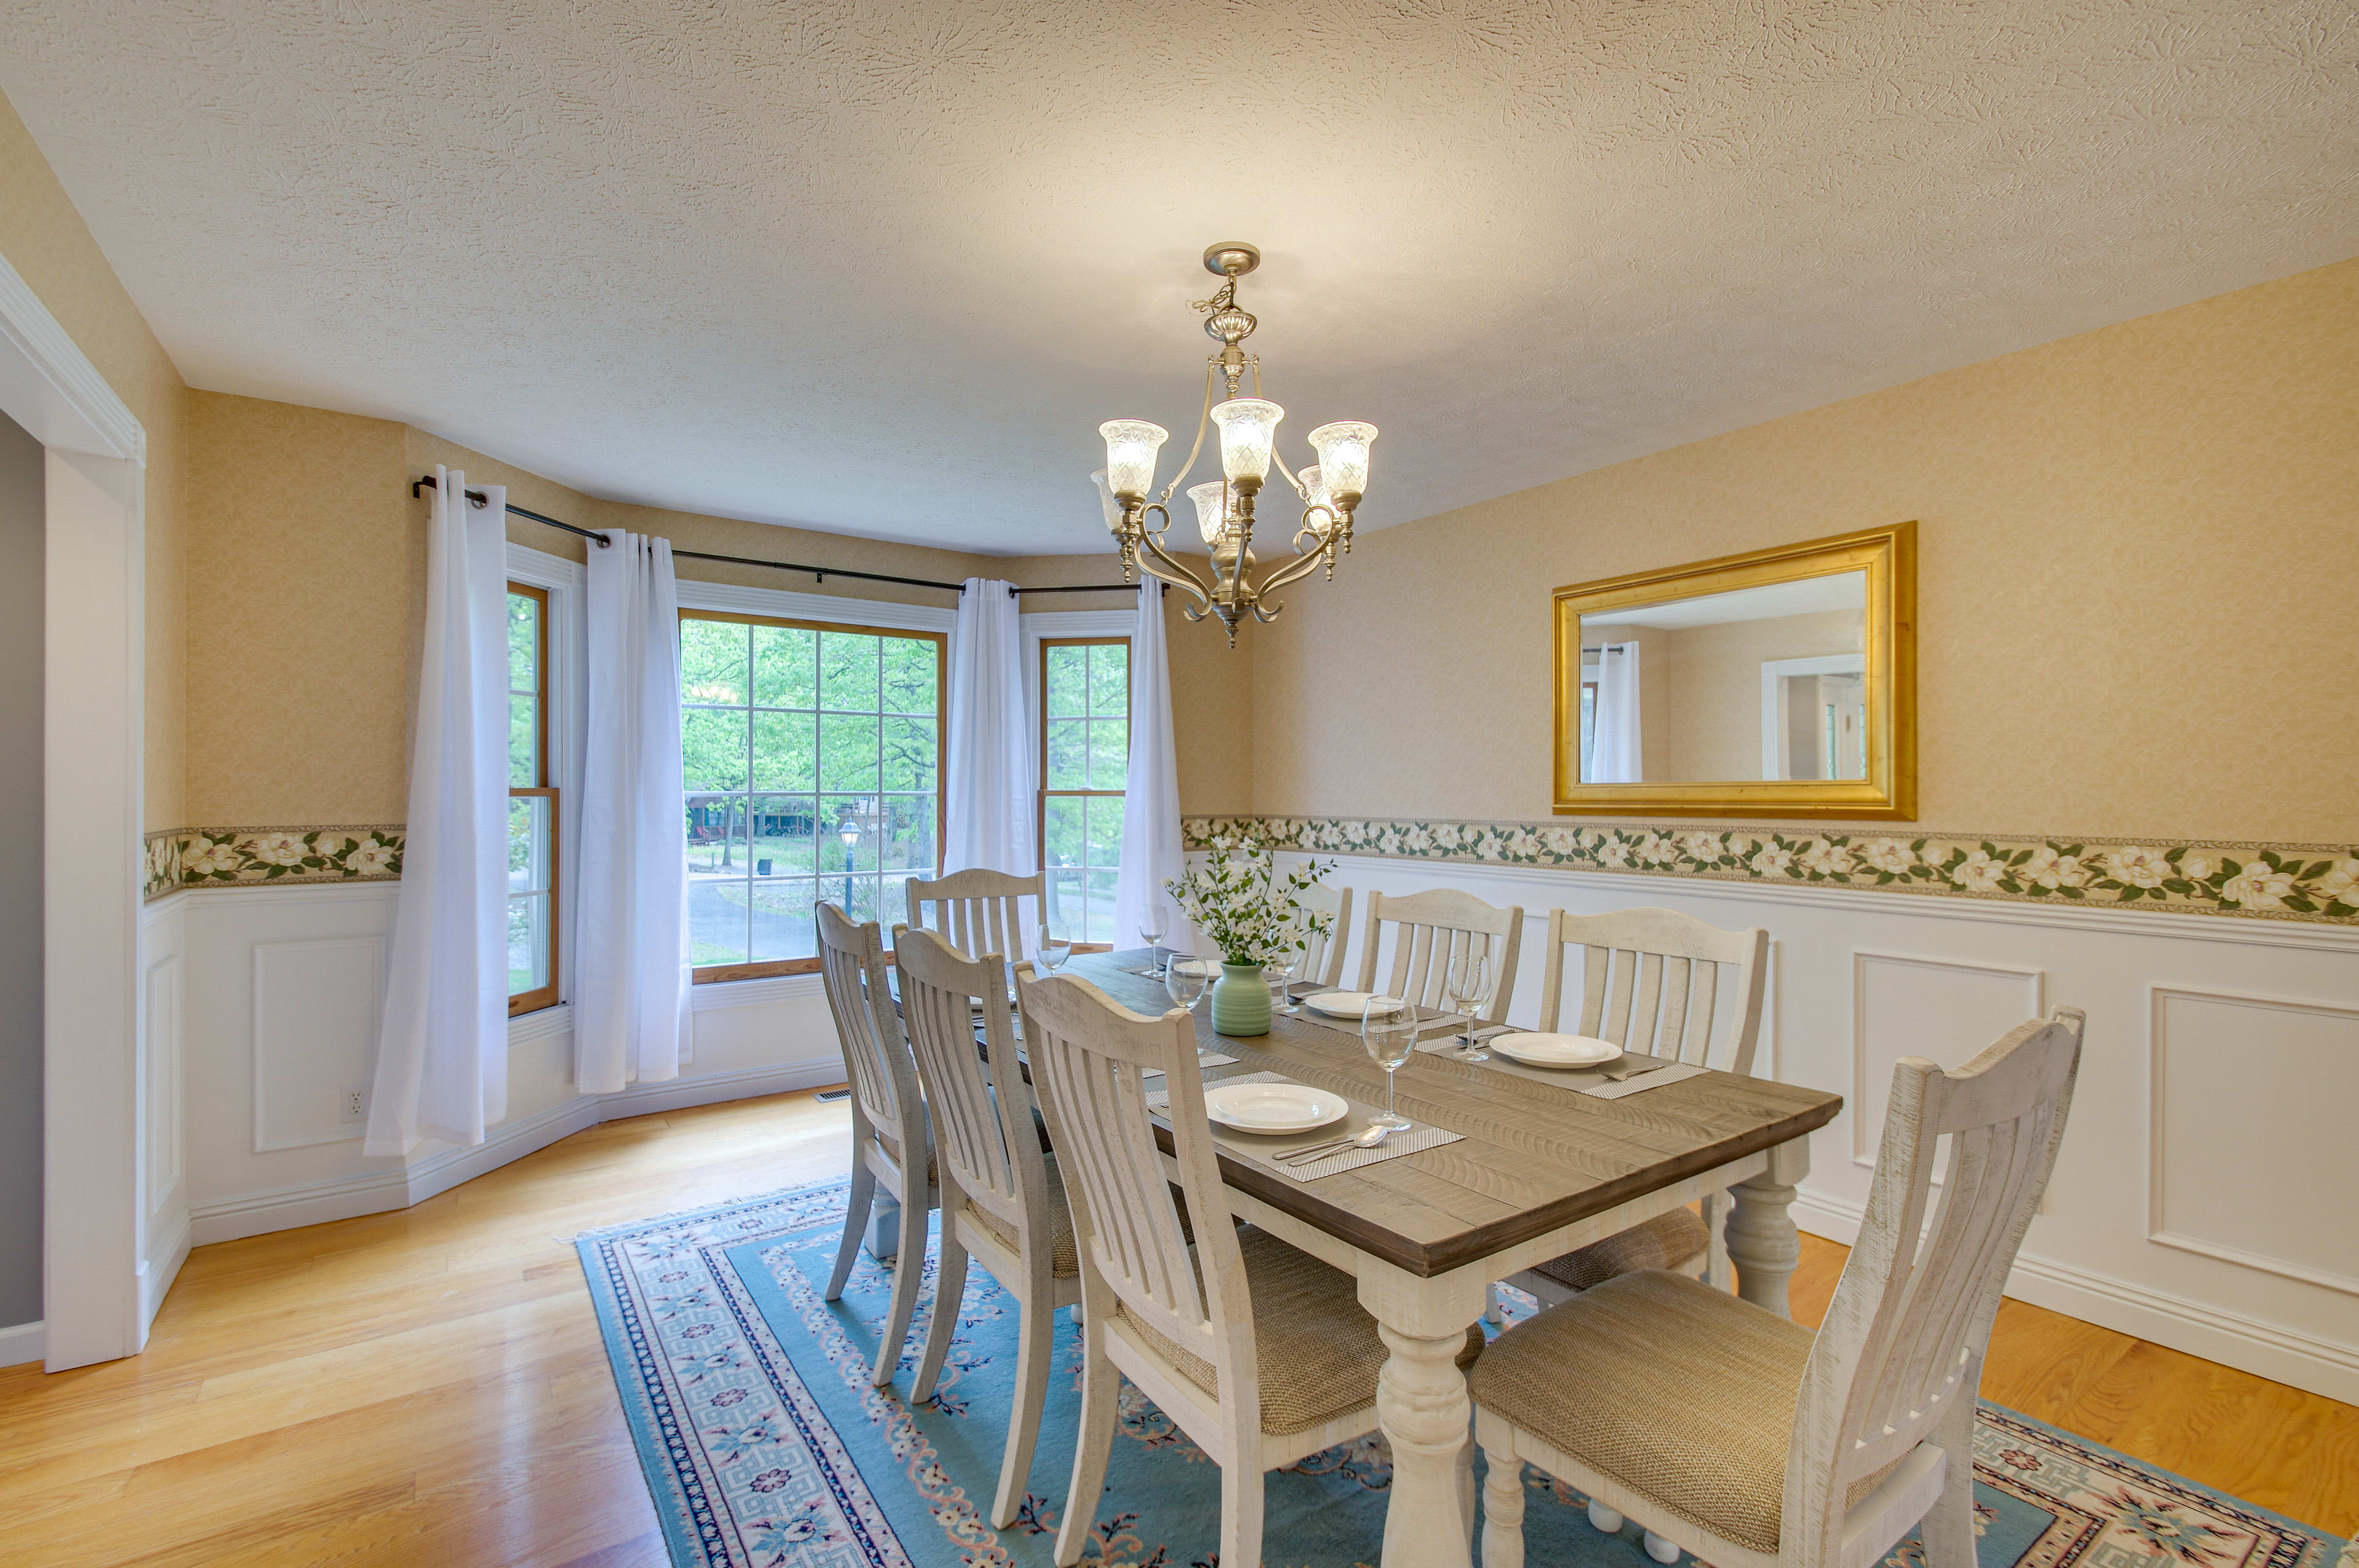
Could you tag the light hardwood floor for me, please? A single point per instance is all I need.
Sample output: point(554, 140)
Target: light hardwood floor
point(428, 1387)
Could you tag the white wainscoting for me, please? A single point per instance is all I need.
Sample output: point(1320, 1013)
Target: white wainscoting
point(275, 994)
point(2203, 1198)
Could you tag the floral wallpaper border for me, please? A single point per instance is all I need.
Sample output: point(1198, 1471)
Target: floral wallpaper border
point(263, 857)
point(2278, 881)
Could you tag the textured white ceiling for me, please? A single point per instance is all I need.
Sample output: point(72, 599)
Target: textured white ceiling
point(883, 267)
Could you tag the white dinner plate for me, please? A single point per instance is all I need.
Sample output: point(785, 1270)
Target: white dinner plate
point(1273, 1108)
point(1556, 1050)
point(1196, 967)
point(1340, 1004)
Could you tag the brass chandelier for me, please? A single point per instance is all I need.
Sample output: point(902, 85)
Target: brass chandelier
point(1224, 507)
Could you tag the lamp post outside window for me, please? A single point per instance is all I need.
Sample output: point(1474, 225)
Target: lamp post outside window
point(849, 830)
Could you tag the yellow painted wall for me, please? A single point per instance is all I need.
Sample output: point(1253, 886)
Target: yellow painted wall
point(52, 250)
point(2139, 555)
point(304, 633)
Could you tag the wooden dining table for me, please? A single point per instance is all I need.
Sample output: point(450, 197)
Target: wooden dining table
point(1540, 1171)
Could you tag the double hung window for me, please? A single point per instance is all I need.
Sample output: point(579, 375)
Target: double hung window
point(813, 768)
point(532, 807)
point(1084, 768)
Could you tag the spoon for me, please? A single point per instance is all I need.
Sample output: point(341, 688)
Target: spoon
point(1367, 1139)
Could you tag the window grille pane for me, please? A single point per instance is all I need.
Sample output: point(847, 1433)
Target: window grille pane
point(1109, 754)
point(712, 662)
point(784, 754)
point(716, 835)
point(1110, 680)
point(524, 741)
point(781, 833)
point(1104, 817)
point(910, 753)
point(528, 943)
point(783, 925)
point(785, 666)
point(892, 905)
point(716, 920)
point(908, 839)
point(912, 684)
point(1068, 682)
point(1068, 754)
point(848, 672)
point(849, 841)
point(848, 751)
point(1063, 840)
point(1101, 906)
point(1067, 910)
point(529, 844)
point(524, 643)
point(713, 748)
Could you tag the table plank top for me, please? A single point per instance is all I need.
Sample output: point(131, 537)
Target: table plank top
point(1534, 1156)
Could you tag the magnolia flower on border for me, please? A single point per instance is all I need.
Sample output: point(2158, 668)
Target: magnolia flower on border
point(1614, 852)
point(1703, 846)
point(1825, 860)
point(2341, 882)
point(1888, 855)
point(372, 858)
point(211, 859)
point(279, 849)
point(2195, 865)
point(2257, 887)
point(1771, 861)
point(2052, 870)
point(2139, 866)
point(1978, 872)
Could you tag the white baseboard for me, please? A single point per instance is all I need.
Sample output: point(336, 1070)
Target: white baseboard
point(163, 1266)
point(25, 1342)
point(2246, 1344)
point(287, 1209)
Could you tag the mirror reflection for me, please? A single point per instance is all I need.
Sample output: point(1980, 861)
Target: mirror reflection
point(1760, 683)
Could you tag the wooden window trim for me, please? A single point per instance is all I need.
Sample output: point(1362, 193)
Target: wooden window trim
point(1041, 806)
point(721, 973)
point(545, 995)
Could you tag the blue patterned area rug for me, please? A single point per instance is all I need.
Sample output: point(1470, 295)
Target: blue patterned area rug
point(764, 1445)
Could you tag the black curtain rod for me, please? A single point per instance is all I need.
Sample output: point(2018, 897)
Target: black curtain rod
point(819, 574)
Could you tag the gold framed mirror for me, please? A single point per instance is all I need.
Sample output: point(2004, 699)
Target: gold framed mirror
point(1778, 683)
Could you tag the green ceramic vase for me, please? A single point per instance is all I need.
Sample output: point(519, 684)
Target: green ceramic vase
point(1241, 1001)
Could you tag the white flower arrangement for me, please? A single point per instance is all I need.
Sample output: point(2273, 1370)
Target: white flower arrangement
point(1234, 898)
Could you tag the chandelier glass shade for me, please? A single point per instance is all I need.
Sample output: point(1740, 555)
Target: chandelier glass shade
point(1247, 428)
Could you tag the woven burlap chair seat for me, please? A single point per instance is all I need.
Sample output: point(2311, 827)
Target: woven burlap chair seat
point(1064, 1253)
point(1676, 1391)
point(1667, 1241)
point(1316, 1346)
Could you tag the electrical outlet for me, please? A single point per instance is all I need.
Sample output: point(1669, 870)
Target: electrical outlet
point(355, 1105)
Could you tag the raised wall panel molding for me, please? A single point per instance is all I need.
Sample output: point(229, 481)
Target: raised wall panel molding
point(754, 993)
point(1905, 1004)
point(306, 894)
point(2222, 1131)
point(1651, 889)
point(316, 1006)
point(164, 1057)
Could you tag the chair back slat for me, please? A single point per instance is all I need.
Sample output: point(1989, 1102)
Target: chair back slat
point(1322, 956)
point(978, 911)
point(883, 1078)
point(1430, 929)
point(981, 1111)
point(1090, 1056)
point(1652, 982)
point(1899, 1356)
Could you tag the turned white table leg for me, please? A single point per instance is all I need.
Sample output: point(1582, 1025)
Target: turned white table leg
point(1423, 1410)
point(1762, 1240)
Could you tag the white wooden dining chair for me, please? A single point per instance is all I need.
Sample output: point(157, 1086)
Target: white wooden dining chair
point(1259, 1352)
point(891, 1145)
point(1322, 956)
point(1662, 984)
point(978, 911)
point(1434, 928)
point(1727, 1430)
point(1003, 1200)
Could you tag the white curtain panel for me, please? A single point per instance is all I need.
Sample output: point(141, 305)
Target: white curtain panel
point(1151, 852)
point(987, 802)
point(442, 1050)
point(631, 962)
point(1614, 748)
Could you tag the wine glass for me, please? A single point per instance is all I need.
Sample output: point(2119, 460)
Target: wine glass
point(1279, 972)
point(1053, 946)
point(1184, 981)
point(1467, 989)
point(1388, 1029)
point(1154, 924)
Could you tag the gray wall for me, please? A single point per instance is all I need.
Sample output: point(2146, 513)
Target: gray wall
point(20, 875)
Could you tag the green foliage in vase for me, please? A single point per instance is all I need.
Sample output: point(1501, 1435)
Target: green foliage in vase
point(1237, 900)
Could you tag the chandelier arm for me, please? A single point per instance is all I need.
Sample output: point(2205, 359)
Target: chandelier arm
point(1294, 570)
point(1203, 420)
point(1178, 577)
